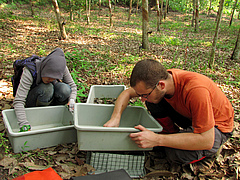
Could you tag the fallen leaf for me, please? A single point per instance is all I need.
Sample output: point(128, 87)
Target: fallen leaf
point(32, 166)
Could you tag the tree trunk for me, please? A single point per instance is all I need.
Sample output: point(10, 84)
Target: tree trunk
point(63, 34)
point(130, 10)
point(145, 43)
point(197, 17)
point(165, 12)
point(161, 14)
point(158, 15)
point(137, 6)
point(89, 7)
point(234, 7)
point(31, 6)
point(99, 12)
point(210, 7)
point(212, 54)
point(79, 14)
point(194, 10)
point(71, 10)
point(87, 13)
point(236, 51)
point(218, 11)
point(110, 12)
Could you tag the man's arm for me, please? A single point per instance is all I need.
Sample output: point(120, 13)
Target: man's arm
point(120, 106)
point(185, 141)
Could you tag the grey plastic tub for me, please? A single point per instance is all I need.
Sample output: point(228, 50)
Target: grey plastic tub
point(92, 136)
point(104, 91)
point(51, 126)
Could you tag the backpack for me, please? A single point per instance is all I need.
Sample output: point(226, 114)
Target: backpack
point(18, 66)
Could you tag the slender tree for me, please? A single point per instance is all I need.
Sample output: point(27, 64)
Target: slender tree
point(161, 14)
point(236, 51)
point(197, 16)
point(158, 15)
point(87, 13)
point(130, 10)
point(89, 7)
point(99, 4)
point(31, 6)
point(166, 10)
point(145, 43)
point(110, 12)
point(218, 10)
point(61, 24)
point(194, 11)
point(210, 7)
point(212, 54)
point(234, 7)
point(137, 6)
point(71, 10)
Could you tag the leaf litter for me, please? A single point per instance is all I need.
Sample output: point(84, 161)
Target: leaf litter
point(28, 38)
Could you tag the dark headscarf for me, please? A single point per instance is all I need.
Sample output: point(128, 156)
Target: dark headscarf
point(51, 66)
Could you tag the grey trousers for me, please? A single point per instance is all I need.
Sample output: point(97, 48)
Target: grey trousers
point(185, 156)
point(163, 109)
point(48, 94)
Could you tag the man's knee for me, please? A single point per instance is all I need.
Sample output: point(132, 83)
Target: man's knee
point(179, 156)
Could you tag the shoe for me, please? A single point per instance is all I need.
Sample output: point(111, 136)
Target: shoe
point(203, 166)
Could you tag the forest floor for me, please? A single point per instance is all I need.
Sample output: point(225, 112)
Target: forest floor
point(22, 35)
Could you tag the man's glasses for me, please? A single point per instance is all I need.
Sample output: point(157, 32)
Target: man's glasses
point(146, 95)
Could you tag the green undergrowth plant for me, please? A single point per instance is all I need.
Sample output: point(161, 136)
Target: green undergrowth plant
point(137, 102)
point(85, 64)
point(4, 143)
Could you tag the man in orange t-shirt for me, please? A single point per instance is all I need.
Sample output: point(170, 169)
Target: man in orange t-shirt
point(196, 116)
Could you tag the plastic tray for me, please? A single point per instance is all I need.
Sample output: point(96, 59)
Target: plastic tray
point(92, 136)
point(104, 91)
point(51, 125)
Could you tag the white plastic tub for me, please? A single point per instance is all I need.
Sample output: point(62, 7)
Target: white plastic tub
point(51, 125)
point(104, 91)
point(92, 136)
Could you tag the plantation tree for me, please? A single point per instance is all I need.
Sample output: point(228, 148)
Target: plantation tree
point(115, 3)
point(236, 51)
point(130, 10)
point(71, 10)
point(31, 6)
point(99, 4)
point(145, 43)
point(197, 16)
point(166, 9)
point(161, 14)
point(63, 34)
point(137, 6)
point(212, 54)
point(158, 15)
point(234, 7)
point(88, 11)
point(218, 11)
point(210, 7)
point(110, 12)
point(194, 10)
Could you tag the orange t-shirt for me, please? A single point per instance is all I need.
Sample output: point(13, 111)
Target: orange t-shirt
point(198, 98)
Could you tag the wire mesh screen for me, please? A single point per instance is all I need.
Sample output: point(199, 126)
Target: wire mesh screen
point(132, 162)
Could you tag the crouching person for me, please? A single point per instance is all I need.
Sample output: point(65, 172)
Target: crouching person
point(44, 81)
point(196, 116)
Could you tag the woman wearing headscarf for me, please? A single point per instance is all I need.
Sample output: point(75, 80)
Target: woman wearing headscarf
point(52, 85)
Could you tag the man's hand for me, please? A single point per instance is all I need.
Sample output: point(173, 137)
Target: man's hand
point(112, 123)
point(145, 138)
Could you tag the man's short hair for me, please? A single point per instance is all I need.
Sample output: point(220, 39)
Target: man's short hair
point(149, 71)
